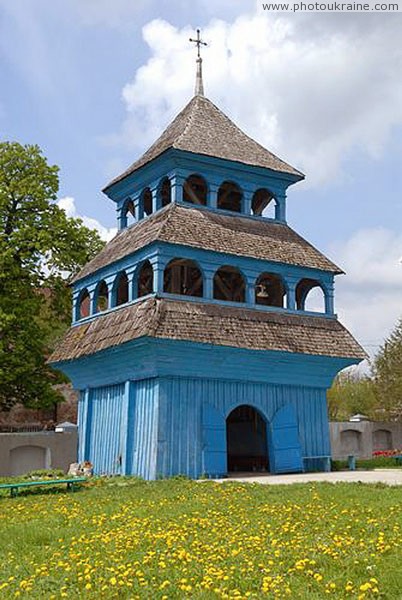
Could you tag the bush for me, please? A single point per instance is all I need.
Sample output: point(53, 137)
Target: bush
point(339, 465)
point(377, 462)
point(45, 474)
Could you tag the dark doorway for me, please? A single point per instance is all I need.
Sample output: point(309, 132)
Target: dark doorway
point(246, 440)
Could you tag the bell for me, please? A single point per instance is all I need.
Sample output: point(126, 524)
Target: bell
point(262, 291)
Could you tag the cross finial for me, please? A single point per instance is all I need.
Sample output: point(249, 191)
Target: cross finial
point(199, 85)
point(199, 43)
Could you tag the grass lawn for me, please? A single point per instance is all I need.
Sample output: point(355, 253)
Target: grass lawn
point(125, 538)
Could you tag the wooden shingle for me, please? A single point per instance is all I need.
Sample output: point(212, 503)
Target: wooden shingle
point(229, 234)
point(201, 128)
point(209, 324)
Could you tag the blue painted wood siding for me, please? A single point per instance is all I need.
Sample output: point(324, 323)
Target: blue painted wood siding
point(146, 358)
point(118, 428)
point(155, 427)
point(285, 455)
point(181, 423)
point(144, 435)
point(214, 441)
point(100, 414)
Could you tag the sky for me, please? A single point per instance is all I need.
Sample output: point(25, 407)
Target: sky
point(94, 82)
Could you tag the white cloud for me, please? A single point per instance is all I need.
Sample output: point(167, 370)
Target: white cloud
point(68, 205)
point(314, 89)
point(369, 297)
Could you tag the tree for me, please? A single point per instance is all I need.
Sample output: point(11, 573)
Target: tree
point(387, 371)
point(351, 394)
point(40, 250)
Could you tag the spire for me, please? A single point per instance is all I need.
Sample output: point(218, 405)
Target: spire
point(199, 84)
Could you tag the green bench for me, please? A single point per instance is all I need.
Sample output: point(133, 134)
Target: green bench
point(72, 484)
point(398, 459)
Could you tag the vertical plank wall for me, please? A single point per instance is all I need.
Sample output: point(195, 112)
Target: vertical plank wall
point(105, 430)
point(153, 427)
point(118, 428)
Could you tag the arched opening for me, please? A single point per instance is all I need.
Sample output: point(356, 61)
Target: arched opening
point(165, 192)
point(145, 280)
point(351, 441)
point(84, 305)
point(195, 190)
point(121, 289)
point(101, 297)
point(230, 197)
point(147, 202)
point(270, 290)
point(183, 277)
point(382, 440)
point(246, 438)
point(263, 203)
point(129, 213)
point(310, 296)
point(229, 285)
point(28, 458)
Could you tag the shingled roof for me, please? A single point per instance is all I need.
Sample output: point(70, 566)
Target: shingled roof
point(199, 228)
point(201, 128)
point(209, 324)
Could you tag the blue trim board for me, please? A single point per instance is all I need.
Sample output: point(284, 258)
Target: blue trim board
point(146, 358)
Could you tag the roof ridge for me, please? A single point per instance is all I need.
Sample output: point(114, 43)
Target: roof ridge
point(284, 163)
point(159, 312)
point(296, 233)
point(154, 324)
point(171, 208)
point(127, 233)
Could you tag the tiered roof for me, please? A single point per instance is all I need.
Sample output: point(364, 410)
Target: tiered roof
point(209, 324)
point(201, 128)
point(201, 228)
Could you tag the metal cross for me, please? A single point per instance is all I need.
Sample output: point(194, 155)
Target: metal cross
point(199, 42)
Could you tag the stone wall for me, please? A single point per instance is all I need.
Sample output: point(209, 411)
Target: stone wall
point(24, 452)
point(363, 438)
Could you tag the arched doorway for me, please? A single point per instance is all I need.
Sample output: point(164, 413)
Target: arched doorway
point(246, 435)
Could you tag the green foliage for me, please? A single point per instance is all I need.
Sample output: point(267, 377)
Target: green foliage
point(387, 371)
point(339, 465)
point(378, 397)
point(40, 250)
point(379, 462)
point(351, 394)
point(39, 474)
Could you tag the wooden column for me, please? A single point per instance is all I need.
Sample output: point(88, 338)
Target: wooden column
point(280, 208)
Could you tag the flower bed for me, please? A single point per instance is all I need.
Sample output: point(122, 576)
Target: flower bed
point(387, 453)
